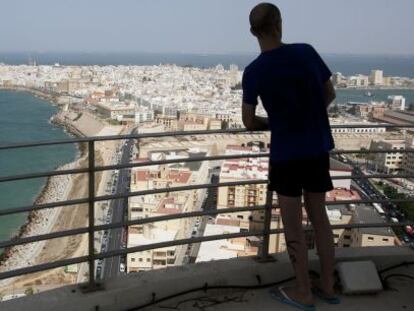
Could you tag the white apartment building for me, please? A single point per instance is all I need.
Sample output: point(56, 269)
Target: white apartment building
point(376, 77)
point(151, 259)
point(396, 102)
point(143, 115)
point(338, 78)
point(139, 207)
point(358, 81)
point(391, 161)
point(238, 170)
point(408, 164)
point(142, 207)
point(116, 111)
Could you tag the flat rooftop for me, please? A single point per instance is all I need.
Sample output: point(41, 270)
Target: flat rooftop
point(398, 297)
point(149, 291)
point(367, 214)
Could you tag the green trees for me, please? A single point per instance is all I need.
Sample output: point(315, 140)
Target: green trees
point(406, 207)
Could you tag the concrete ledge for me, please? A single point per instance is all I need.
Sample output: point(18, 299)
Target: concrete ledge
point(137, 289)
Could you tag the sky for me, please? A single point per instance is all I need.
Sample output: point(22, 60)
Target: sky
point(202, 26)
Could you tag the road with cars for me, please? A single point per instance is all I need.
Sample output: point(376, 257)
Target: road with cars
point(116, 239)
point(209, 203)
point(369, 191)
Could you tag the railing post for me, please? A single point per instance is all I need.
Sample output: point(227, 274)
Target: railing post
point(91, 213)
point(263, 255)
point(91, 285)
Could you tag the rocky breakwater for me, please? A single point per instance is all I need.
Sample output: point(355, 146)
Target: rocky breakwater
point(39, 222)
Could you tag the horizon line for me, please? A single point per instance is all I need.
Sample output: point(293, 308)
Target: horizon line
point(198, 53)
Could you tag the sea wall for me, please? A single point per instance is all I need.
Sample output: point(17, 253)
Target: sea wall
point(49, 96)
point(81, 123)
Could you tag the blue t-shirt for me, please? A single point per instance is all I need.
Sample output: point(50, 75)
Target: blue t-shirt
point(290, 83)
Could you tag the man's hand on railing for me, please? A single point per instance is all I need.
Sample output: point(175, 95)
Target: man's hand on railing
point(251, 121)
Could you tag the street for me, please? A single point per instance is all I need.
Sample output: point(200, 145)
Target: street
point(116, 238)
point(198, 230)
point(369, 191)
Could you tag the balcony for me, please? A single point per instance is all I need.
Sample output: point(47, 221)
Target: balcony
point(224, 285)
point(150, 289)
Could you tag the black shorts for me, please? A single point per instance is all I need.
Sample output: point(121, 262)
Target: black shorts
point(289, 178)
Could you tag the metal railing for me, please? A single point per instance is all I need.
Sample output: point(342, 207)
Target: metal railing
point(92, 199)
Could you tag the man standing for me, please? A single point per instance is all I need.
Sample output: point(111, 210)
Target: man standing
point(294, 86)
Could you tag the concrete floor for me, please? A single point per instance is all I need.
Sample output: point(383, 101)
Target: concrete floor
point(400, 296)
point(137, 289)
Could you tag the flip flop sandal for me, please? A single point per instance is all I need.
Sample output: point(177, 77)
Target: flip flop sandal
point(282, 297)
point(321, 295)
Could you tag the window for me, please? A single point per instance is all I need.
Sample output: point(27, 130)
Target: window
point(160, 262)
point(370, 238)
point(148, 259)
point(160, 254)
point(132, 259)
point(385, 240)
point(140, 259)
point(347, 236)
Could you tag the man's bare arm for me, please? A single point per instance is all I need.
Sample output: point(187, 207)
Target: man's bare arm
point(251, 121)
point(329, 93)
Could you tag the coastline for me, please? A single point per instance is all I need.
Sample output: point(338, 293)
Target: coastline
point(50, 97)
point(59, 188)
point(374, 88)
point(56, 188)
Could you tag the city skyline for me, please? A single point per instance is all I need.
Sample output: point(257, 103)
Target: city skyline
point(201, 27)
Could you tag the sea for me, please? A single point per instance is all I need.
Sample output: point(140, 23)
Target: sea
point(25, 118)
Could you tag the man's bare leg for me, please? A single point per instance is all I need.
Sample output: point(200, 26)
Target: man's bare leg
point(291, 211)
point(315, 208)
